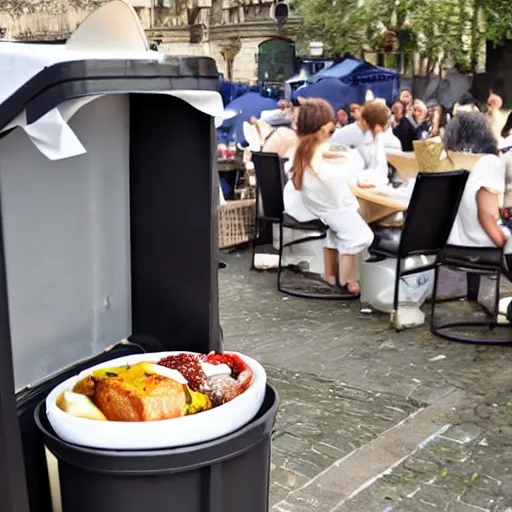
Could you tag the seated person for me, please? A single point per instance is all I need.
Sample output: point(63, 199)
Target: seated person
point(322, 179)
point(496, 115)
point(477, 222)
point(355, 112)
point(342, 118)
point(420, 120)
point(275, 140)
point(437, 118)
point(375, 118)
point(407, 99)
point(352, 135)
point(466, 103)
point(402, 127)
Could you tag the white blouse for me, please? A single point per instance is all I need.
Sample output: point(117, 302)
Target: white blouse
point(352, 135)
point(327, 188)
point(373, 152)
point(325, 185)
point(488, 173)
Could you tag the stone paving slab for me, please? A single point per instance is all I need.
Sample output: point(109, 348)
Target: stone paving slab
point(458, 471)
point(346, 380)
point(321, 421)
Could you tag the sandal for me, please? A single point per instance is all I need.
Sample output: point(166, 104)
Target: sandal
point(351, 289)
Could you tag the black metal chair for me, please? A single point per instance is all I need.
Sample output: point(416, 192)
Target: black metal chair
point(428, 222)
point(477, 262)
point(270, 180)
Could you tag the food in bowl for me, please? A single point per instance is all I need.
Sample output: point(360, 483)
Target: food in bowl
point(221, 377)
point(177, 385)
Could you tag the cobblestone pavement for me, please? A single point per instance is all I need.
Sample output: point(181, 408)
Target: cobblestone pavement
point(370, 419)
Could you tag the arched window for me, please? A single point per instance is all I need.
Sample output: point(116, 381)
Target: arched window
point(276, 60)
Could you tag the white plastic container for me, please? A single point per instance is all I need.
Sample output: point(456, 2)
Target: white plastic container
point(378, 283)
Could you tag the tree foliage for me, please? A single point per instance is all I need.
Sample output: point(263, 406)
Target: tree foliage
point(498, 14)
point(434, 28)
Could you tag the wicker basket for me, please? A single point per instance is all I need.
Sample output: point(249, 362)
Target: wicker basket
point(236, 223)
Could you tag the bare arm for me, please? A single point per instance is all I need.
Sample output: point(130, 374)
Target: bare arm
point(488, 215)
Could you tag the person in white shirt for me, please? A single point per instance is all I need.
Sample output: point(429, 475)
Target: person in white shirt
point(322, 177)
point(292, 198)
point(477, 222)
point(375, 118)
point(352, 135)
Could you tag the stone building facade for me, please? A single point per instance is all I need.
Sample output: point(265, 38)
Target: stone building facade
point(230, 31)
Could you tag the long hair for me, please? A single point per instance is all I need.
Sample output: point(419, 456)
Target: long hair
point(470, 132)
point(313, 114)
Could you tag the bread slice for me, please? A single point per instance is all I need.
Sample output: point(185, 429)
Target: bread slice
point(142, 392)
point(145, 398)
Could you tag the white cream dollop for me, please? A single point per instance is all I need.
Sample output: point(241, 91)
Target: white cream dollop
point(211, 370)
point(167, 372)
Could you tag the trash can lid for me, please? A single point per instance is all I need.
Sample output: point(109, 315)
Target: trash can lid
point(41, 88)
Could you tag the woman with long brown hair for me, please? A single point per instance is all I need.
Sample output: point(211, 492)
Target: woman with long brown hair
point(322, 177)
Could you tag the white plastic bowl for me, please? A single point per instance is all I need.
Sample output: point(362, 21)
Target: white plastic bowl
point(197, 428)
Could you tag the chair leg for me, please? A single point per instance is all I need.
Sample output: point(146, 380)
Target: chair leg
point(396, 293)
point(280, 255)
point(253, 244)
point(257, 227)
point(496, 311)
point(445, 329)
point(473, 285)
point(433, 328)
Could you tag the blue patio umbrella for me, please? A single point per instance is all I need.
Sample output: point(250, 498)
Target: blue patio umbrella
point(249, 105)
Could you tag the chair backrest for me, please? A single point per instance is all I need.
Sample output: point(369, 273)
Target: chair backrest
point(432, 211)
point(269, 170)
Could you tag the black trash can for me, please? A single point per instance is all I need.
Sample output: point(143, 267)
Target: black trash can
point(230, 474)
point(116, 241)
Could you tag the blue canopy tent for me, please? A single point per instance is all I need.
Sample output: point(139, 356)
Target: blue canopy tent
point(347, 82)
point(246, 106)
point(232, 90)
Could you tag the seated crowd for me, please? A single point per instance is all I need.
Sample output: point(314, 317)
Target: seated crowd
point(321, 172)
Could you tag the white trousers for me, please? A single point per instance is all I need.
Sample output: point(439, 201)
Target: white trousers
point(348, 232)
